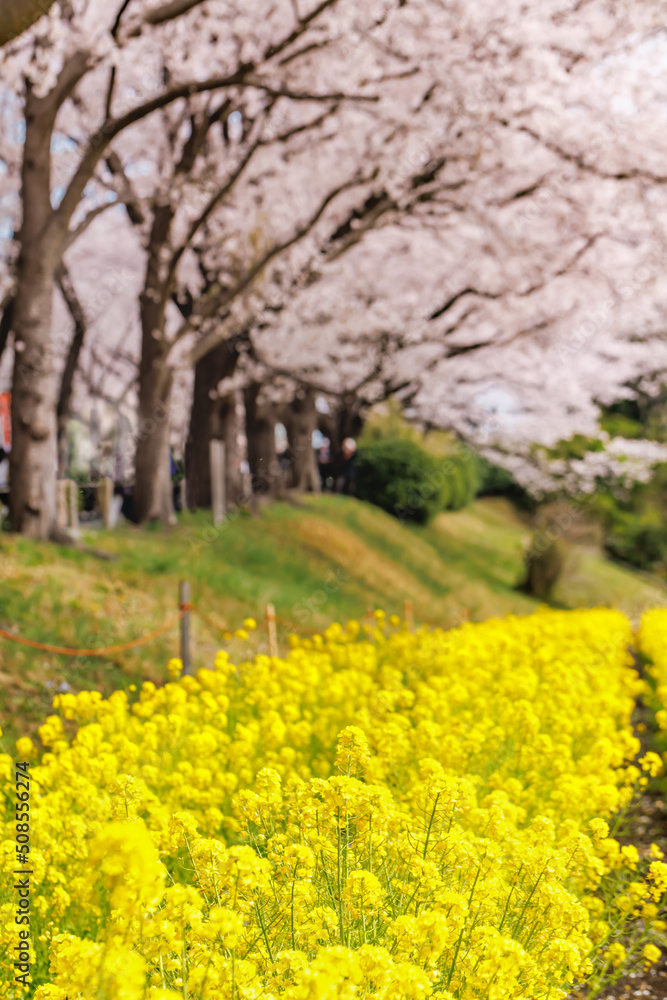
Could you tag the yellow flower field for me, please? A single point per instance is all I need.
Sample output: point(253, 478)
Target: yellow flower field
point(380, 813)
point(652, 642)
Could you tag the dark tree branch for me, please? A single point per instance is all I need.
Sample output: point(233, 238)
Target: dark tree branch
point(101, 140)
point(6, 321)
point(76, 344)
point(119, 18)
point(252, 80)
point(298, 129)
point(453, 299)
point(113, 127)
point(523, 193)
point(89, 218)
point(304, 23)
point(580, 161)
point(171, 10)
point(130, 199)
point(537, 286)
point(223, 191)
point(206, 213)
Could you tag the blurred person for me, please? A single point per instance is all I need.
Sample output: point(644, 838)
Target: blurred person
point(325, 465)
point(347, 472)
point(176, 473)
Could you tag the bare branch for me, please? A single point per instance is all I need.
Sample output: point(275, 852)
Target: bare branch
point(580, 161)
point(130, 199)
point(100, 141)
point(171, 10)
point(206, 213)
point(74, 351)
point(459, 295)
point(89, 218)
point(298, 129)
point(222, 193)
point(304, 23)
point(537, 286)
point(110, 92)
point(252, 80)
point(119, 18)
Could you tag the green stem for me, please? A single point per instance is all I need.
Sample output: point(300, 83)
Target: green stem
point(458, 943)
point(263, 929)
point(292, 907)
point(340, 888)
point(430, 824)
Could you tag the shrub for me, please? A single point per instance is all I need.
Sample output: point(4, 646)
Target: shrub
point(400, 477)
point(408, 481)
point(635, 530)
point(462, 479)
point(496, 481)
point(640, 542)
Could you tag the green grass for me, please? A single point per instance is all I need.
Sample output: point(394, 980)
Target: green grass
point(329, 558)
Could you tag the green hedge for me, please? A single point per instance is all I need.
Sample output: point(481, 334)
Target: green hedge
point(409, 482)
point(400, 477)
point(462, 479)
point(636, 527)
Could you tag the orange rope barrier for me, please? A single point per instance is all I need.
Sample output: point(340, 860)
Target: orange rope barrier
point(184, 609)
point(104, 651)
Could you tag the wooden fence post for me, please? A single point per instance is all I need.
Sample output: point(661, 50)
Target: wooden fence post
point(271, 628)
point(184, 602)
point(408, 614)
point(105, 495)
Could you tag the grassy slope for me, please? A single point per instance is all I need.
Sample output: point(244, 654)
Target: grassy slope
point(329, 559)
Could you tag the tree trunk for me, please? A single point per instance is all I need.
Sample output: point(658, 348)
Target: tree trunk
point(226, 429)
point(33, 456)
point(210, 417)
point(43, 231)
point(16, 16)
point(153, 497)
point(300, 422)
point(265, 471)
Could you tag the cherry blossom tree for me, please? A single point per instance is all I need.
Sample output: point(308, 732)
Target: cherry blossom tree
point(511, 304)
point(529, 257)
point(155, 52)
point(417, 197)
point(143, 55)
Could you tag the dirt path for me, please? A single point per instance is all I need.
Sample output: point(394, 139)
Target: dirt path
point(648, 825)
